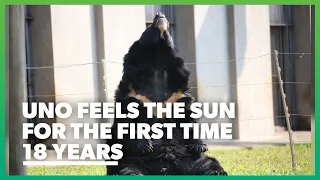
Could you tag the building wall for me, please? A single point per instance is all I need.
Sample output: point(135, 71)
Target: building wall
point(89, 35)
point(41, 54)
point(64, 35)
point(185, 42)
point(73, 41)
point(223, 33)
point(254, 102)
point(212, 56)
point(207, 36)
point(120, 32)
point(17, 88)
point(302, 44)
point(211, 47)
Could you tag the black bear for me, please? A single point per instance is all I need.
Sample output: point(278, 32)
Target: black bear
point(153, 72)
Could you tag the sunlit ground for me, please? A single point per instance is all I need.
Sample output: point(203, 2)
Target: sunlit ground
point(272, 160)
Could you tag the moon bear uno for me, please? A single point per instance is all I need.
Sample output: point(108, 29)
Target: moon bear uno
point(153, 72)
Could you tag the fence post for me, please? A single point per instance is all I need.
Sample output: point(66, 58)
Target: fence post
point(286, 110)
point(17, 86)
point(7, 89)
point(312, 76)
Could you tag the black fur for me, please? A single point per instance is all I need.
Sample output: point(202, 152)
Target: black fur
point(145, 68)
point(154, 69)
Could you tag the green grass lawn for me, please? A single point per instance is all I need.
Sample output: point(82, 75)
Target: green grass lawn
point(272, 160)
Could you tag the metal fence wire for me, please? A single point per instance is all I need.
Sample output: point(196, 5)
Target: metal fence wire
point(279, 84)
point(250, 59)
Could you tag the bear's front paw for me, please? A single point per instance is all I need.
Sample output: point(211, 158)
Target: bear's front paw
point(220, 173)
point(223, 173)
point(197, 148)
point(144, 146)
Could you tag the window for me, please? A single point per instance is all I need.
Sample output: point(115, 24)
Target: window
point(281, 40)
point(168, 10)
point(280, 15)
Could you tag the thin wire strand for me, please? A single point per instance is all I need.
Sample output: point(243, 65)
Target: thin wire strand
point(212, 62)
point(271, 117)
point(232, 60)
point(54, 95)
point(305, 115)
point(257, 84)
point(120, 62)
point(74, 94)
point(295, 53)
point(63, 66)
